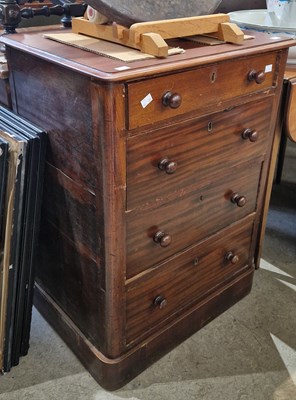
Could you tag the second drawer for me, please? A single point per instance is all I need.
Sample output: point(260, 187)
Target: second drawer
point(164, 162)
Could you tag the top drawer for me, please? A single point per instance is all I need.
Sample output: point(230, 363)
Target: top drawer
point(195, 90)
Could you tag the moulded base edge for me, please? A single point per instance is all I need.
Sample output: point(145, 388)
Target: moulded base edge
point(112, 374)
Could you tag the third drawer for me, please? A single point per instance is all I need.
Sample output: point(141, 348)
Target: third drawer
point(160, 232)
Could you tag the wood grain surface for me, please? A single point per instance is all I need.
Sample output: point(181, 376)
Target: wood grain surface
point(101, 265)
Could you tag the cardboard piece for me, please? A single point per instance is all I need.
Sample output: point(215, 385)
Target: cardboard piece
point(104, 48)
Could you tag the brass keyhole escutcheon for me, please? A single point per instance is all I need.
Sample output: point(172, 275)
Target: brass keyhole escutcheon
point(213, 77)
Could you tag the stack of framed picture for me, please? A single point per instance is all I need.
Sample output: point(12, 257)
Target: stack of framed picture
point(22, 155)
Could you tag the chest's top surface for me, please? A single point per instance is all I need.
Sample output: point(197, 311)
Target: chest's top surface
point(101, 67)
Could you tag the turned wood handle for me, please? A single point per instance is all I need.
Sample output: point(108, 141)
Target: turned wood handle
point(232, 257)
point(257, 76)
point(172, 100)
point(250, 134)
point(168, 166)
point(162, 238)
point(239, 200)
point(160, 302)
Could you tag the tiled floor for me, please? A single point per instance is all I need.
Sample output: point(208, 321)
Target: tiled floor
point(248, 353)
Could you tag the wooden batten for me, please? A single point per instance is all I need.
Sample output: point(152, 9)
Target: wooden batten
point(149, 37)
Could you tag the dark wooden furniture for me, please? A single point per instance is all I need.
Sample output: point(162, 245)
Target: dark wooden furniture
point(155, 186)
point(4, 83)
point(287, 118)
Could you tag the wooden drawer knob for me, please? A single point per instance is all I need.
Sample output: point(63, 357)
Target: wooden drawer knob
point(172, 100)
point(250, 134)
point(168, 166)
point(160, 302)
point(162, 238)
point(233, 258)
point(257, 76)
point(240, 201)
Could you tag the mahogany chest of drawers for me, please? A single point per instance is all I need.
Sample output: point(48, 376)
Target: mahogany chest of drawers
point(154, 192)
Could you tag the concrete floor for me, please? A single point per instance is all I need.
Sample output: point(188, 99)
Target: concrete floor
point(248, 353)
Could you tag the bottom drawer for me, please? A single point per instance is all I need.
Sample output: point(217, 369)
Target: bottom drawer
point(162, 293)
